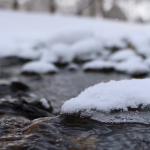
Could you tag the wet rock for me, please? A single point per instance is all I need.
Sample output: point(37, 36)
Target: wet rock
point(19, 86)
point(21, 108)
point(70, 133)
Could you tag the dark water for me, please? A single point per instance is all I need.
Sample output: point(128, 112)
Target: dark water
point(24, 125)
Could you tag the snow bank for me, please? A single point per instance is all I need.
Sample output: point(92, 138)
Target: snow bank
point(113, 95)
point(39, 68)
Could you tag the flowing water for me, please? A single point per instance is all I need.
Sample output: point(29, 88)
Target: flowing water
point(27, 126)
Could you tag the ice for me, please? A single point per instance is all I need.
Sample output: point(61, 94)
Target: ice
point(39, 67)
point(105, 97)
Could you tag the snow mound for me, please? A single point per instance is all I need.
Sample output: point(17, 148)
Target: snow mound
point(72, 66)
point(99, 65)
point(87, 49)
point(29, 54)
point(122, 55)
point(114, 95)
point(133, 66)
point(45, 103)
point(39, 68)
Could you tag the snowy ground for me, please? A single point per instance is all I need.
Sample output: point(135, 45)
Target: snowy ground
point(66, 39)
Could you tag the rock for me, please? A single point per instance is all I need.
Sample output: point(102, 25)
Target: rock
point(19, 86)
point(21, 108)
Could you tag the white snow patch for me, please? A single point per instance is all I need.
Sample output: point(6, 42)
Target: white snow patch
point(109, 96)
point(45, 103)
point(69, 36)
point(72, 66)
point(133, 66)
point(99, 65)
point(122, 55)
point(39, 67)
point(87, 49)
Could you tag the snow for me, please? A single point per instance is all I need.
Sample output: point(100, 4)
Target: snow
point(87, 49)
point(69, 36)
point(113, 95)
point(147, 61)
point(66, 39)
point(39, 67)
point(8, 49)
point(45, 103)
point(72, 66)
point(133, 66)
point(62, 53)
point(99, 65)
point(29, 54)
point(122, 55)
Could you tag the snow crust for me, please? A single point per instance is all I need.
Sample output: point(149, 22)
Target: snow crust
point(113, 95)
point(39, 67)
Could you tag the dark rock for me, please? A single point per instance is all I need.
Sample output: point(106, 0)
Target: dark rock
point(19, 86)
point(19, 108)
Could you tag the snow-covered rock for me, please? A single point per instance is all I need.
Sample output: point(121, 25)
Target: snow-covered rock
point(147, 61)
point(59, 53)
point(39, 67)
point(87, 49)
point(45, 103)
point(99, 65)
point(69, 36)
point(99, 101)
point(9, 49)
point(133, 66)
point(72, 66)
point(109, 96)
point(122, 55)
point(114, 43)
point(29, 54)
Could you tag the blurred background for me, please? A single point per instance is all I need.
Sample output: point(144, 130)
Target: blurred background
point(127, 10)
